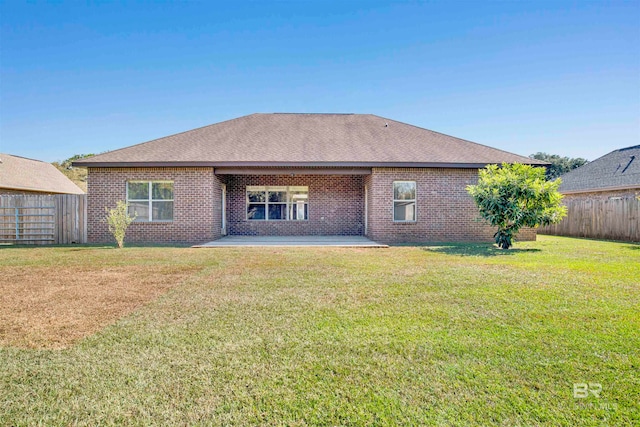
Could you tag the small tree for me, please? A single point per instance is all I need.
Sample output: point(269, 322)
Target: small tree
point(118, 219)
point(514, 196)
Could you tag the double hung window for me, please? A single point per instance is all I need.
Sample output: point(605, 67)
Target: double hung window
point(150, 200)
point(404, 201)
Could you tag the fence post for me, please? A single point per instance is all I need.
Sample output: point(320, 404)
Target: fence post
point(43, 219)
point(17, 223)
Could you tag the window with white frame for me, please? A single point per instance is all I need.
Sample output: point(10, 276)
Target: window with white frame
point(404, 201)
point(277, 203)
point(150, 200)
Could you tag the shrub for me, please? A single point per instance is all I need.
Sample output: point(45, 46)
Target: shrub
point(119, 220)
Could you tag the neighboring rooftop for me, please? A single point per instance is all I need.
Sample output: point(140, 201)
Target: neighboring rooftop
point(22, 174)
point(289, 139)
point(619, 169)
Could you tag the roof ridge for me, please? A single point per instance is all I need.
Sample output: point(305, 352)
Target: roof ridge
point(627, 148)
point(319, 114)
point(22, 157)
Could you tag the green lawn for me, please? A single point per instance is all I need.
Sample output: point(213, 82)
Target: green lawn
point(448, 335)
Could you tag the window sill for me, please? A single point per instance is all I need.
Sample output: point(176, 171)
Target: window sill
point(277, 220)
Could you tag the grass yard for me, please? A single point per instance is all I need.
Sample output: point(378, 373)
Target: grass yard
point(447, 335)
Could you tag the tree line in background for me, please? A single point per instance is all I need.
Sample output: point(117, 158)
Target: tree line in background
point(558, 165)
point(75, 174)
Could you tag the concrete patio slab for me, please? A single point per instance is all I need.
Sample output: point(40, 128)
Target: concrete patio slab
point(293, 241)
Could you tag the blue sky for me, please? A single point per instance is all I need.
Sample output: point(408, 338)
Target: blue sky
point(561, 77)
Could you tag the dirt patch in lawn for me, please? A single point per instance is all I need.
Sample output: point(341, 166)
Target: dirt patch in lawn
point(54, 308)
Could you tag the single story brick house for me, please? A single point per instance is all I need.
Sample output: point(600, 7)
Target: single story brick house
point(296, 174)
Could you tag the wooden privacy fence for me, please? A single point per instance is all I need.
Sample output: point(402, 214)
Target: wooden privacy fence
point(36, 219)
point(616, 218)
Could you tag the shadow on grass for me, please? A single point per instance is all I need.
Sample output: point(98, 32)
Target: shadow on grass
point(481, 249)
point(94, 246)
point(66, 248)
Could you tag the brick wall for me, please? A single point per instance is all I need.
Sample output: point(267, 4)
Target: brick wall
point(335, 206)
point(445, 211)
point(368, 203)
point(196, 211)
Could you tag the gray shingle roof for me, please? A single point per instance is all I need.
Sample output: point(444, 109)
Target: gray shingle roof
point(618, 169)
point(283, 139)
point(19, 173)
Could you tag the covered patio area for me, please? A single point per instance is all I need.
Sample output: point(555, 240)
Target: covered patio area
point(292, 241)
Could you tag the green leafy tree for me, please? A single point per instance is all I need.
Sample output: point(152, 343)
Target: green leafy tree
point(119, 220)
point(558, 165)
point(514, 196)
point(76, 174)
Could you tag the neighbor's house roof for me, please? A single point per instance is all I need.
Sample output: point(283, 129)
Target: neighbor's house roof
point(618, 170)
point(22, 174)
point(303, 140)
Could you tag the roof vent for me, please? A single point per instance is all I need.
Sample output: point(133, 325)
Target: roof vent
point(386, 124)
